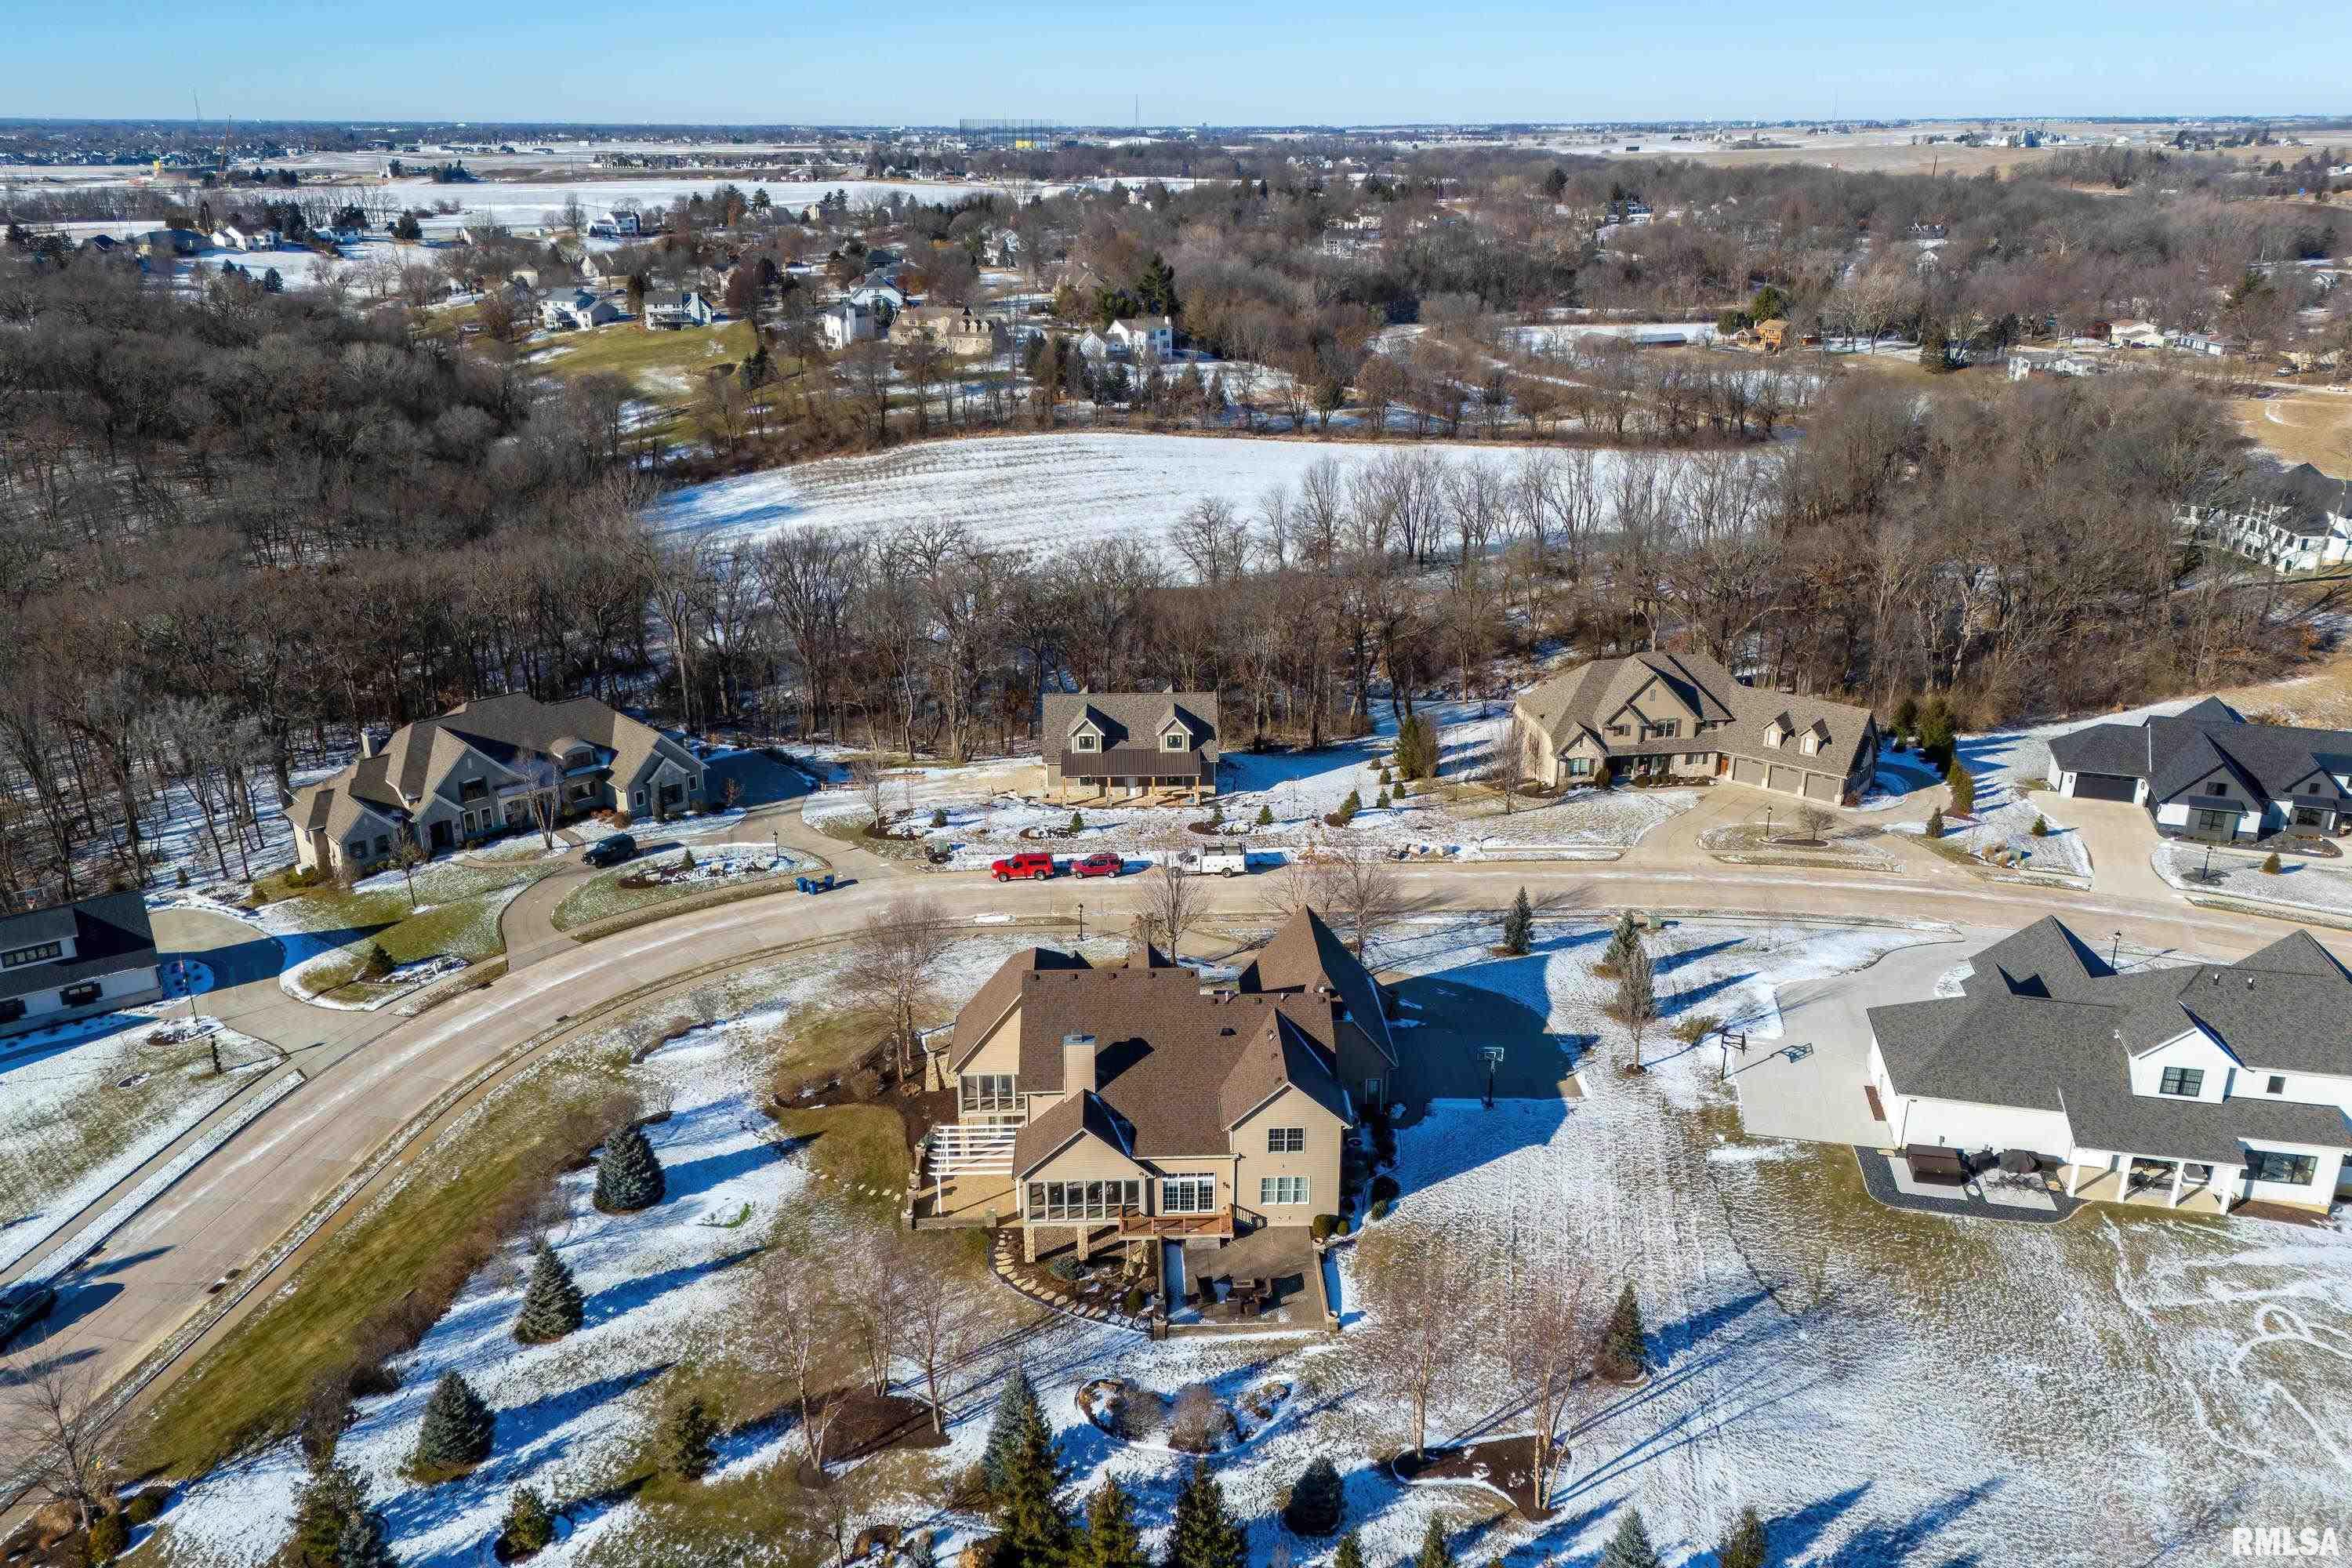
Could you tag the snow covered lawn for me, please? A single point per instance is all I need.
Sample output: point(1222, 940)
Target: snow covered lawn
point(656, 878)
point(2005, 831)
point(329, 933)
point(78, 1115)
point(1048, 493)
point(2325, 886)
point(570, 1414)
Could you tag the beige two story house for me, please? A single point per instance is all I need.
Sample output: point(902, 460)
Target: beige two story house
point(1668, 715)
point(1130, 744)
point(484, 769)
point(1142, 1099)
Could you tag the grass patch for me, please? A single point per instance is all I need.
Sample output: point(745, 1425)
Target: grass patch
point(252, 1388)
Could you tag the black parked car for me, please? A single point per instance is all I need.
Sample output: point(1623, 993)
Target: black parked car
point(611, 850)
point(22, 1304)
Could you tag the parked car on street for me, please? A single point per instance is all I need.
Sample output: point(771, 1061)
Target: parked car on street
point(1032, 867)
point(611, 850)
point(1102, 863)
point(23, 1304)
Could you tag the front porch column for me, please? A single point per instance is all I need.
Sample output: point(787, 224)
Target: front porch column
point(1086, 1240)
point(1028, 1244)
point(2179, 1174)
point(2224, 1189)
point(2074, 1173)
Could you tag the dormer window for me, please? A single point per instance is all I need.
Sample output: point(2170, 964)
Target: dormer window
point(1172, 742)
point(1774, 736)
point(1082, 742)
point(1812, 744)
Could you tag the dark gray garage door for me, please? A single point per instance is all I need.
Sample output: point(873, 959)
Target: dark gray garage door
point(2105, 787)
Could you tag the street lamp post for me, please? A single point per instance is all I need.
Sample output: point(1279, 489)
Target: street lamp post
point(2115, 953)
point(1082, 923)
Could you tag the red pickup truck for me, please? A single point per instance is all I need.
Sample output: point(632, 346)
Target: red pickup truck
point(1032, 867)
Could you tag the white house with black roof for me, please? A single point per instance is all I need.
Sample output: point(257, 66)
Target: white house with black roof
point(2206, 1084)
point(2299, 521)
point(72, 961)
point(2210, 776)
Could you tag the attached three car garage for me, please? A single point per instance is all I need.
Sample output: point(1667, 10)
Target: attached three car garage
point(2104, 786)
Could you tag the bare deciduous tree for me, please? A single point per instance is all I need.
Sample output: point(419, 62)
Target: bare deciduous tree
point(897, 947)
point(1172, 897)
point(1548, 1328)
point(803, 1319)
point(57, 1435)
point(1362, 895)
point(1423, 1290)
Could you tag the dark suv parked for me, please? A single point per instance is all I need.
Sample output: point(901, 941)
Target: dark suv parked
point(611, 850)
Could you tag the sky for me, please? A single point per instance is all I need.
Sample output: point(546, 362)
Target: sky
point(1215, 62)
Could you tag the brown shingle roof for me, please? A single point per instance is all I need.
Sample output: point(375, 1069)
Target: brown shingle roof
point(1588, 697)
point(1130, 718)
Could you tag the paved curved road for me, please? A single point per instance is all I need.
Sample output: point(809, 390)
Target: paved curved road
point(367, 1074)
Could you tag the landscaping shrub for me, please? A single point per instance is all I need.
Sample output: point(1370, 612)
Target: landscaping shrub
point(1317, 1501)
point(529, 1527)
point(2271, 864)
point(109, 1536)
point(552, 1306)
point(2041, 828)
point(1964, 789)
point(1382, 801)
point(686, 861)
point(1265, 817)
point(1936, 823)
point(940, 817)
point(628, 1176)
point(1697, 1026)
point(144, 1507)
point(693, 1441)
point(1322, 1226)
point(1349, 807)
point(1385, 1189)
point(1133, 1301)
point(1068, 1270)
point(1624, 1348)
point(458, 1427)
point(1201, 1421)
point(1380, 1208)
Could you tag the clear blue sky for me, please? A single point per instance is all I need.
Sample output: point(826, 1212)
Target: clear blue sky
point(827, 61)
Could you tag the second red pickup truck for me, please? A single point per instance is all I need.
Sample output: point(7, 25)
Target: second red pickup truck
point(1029, 867)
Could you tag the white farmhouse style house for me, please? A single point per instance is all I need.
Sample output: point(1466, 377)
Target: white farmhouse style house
point(2211, 1083)
point(2301, 522)
point(2209, 776)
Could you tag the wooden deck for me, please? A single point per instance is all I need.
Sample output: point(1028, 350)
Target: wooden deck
point(1178, 1227)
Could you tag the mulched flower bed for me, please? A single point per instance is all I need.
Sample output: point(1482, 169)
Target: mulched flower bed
point(866, 1423)
point(1505, 1463)
point(1194, 1422)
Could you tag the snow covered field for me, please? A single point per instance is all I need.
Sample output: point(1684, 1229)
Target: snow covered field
point(987, 817)
point(79, 1115)
point(1029, 492)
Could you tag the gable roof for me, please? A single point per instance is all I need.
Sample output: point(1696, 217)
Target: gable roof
point(1307, 955)
point(2177, 752)
point(1586, 698)
point(1129, 718)
point(111, 932)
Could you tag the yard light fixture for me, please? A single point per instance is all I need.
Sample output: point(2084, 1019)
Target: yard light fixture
point(1082, 923)
point(2116, 954)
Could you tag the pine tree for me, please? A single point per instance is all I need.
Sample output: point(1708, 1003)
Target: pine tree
point(628, 1177)
point(1029, 1503)
point(1349, 806)
point(1964, 789)
point(1077, 822)
point(1434, 1552)
point(1519, 925)
point(1936, 823)
point(1317, 1499)
point(2271, 864)
point(1622, 943)
point(361, 1544)
point(1016, 1408)
point(2040, 827)
point(326, 1504)
point(529, 1526)
point(552, 1306)
point(1351, 1553)
point(1206, 1535)
point(1265, 817)
point(1630, 1547)
point(1745, 1546)
point(1624, 1350)
point(693, 1441)
point(457, 1426)
point(1111, 1539)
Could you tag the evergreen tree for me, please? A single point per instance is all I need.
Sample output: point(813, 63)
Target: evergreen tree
point(1630, 1547)
point(1745, 1546)
point(1111, 1538)
point(1351, 1553)
point(1936, 823)
point(552, 1306)
point(1519, 925)
point(1625, 1348)
point(529, 1526)
point(693, 1441)
point(1206, 1535)
point(362, 1545)
point(1015, 1409)
point(1416, 747)
point(1621, 943)
point(457, 1426)
point(1317, 1499)
point(628, 1177)
point(1349, 806)
point(1964, 789)
point(1029, 1502)
point(1265, 817)
point(326, 1503)
point(1434, 1552)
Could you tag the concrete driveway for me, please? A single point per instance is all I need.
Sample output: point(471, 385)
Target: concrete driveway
point(2121, 839)
point(1809, 1083)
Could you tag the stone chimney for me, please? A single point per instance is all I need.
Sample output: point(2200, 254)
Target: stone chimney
point(1079, 1064)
